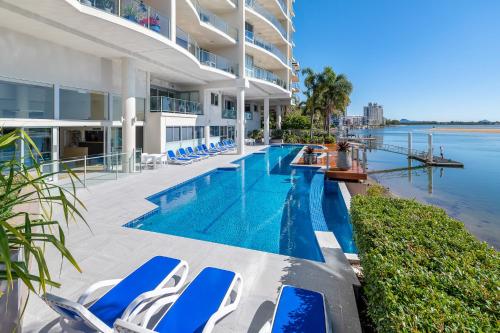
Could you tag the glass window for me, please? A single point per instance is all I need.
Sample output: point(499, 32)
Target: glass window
point(83, 105)
point(8, 153)
point(214, 99)
point(116, 139)
point(187, 133)
point(42, 137)
point(140, 108)
point(214, 131)
point(116, 114)
point(248, 115)
point(173, 134)
point(19, 100)
point(230, 105)
point(199, 132)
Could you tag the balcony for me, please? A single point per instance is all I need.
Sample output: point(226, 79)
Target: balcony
point(211, 19)
point(229, 114)
point(254, 5)
point(135, 11)
point(251, 38)
point(263, 74)
point(174, 105)
point(205, 57)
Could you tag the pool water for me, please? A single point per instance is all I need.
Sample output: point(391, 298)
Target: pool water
point(262, 205)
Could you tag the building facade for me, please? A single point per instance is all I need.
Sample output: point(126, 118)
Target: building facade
point(353, 121)
point(373, 114)
point(90, 77)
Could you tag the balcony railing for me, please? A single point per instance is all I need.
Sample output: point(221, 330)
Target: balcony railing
point(135, 11)
point(264, 74)
point(253, 4)
point(174, 105)
point(251, 38)
point(283, 6)
point(229, 113)
point(215, 21)
point(205, 57)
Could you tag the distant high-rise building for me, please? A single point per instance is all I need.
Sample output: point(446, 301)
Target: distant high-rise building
point(374, 114)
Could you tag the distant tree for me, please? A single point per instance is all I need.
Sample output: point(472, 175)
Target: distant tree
point(295, 120)
point(312, 92)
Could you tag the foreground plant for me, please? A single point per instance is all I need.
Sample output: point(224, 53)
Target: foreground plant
point(24, 235)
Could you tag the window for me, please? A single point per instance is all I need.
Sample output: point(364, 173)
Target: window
point(173, 134)
point(83, 105)
point(248, 115)
point(199, 132)
point(140, 108)
point(116, 113)
point(214, 131)
point(187, 133)
point(20, 100)
point(214, 99)
point(230, 105)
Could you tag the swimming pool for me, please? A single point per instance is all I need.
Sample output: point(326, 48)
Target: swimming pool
point(263, 205)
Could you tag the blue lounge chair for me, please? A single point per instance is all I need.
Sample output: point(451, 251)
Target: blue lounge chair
point(219, 148)
point(200, 150)
point(211, 150)
point(205, 301)
point(183, 153)
point(177, 160)
point(191, 152)
point(222, 145)
point(228, 143)
point(299, 311)
point(127, 297)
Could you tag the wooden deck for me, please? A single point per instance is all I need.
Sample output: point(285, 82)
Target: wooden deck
point(356, 172)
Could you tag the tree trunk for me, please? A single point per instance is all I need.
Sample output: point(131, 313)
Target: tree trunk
point(312, 122)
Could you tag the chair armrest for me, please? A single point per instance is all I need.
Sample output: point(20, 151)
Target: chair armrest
point(153, 309)
point(96, 286)
point(266, 328)
point(122, 326)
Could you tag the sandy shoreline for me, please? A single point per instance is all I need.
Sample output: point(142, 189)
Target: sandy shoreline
point(466, 130)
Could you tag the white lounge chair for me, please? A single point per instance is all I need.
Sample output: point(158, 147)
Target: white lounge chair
point(300, 311)
point(205, 301)
point(173, 159)
point(127, 297)
point(147, 160)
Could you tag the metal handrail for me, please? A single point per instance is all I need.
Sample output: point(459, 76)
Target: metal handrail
point(268, 46)
point(210, 18)
point(264, 74)
point(174, 105)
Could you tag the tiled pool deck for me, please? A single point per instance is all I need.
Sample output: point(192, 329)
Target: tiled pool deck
point(107, 250)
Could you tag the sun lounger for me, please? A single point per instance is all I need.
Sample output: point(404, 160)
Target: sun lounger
point(191, 152)
point(184, 154)
point(199, 150)
point(211, 150)
point(177, 160)
point(299, 311)
point(126, 298)
point(205, 301)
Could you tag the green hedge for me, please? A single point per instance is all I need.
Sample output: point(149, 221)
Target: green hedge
point(423, 271)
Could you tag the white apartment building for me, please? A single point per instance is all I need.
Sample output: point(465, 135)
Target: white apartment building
point(87, 77)
point(353, 121)
point(373, 114)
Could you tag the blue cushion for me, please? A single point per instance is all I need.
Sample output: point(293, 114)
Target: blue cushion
point(201, 299)
point(145, 278)
point(299, 310)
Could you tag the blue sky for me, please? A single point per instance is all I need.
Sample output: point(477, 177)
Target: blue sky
point(421, 59)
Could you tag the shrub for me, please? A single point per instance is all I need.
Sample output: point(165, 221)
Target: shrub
point(290, 138)
point(423, 270)
point(376, 190)
point(277, 134)
point(295, 120)
point(257, 134)
point(329, 139)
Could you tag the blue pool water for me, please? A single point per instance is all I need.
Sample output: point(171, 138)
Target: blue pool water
point(263, 205)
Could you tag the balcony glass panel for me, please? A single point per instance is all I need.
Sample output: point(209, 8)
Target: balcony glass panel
point(174, 105)
point(135, 11)
point(251, 38)
point(215, 21)
point(229, 113)
point(79, 104)
point(263, 74)
point(20, 100)
point(253, 4)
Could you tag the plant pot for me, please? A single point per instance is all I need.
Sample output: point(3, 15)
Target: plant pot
point(344, 161)
point(310, 159)
point(12, 302)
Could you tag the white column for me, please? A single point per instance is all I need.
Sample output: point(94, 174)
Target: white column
point(128, 111)
point(266, 120)
point(207, 135)
point(278, 116)
point(173, 20)
point(240, 120)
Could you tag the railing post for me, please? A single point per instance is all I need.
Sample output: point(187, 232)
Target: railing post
point(327, 161)
point(85, 171)
point(409, 144)
point(119, 7)
point(364, 159)
point(148, 13)
point(116, 167)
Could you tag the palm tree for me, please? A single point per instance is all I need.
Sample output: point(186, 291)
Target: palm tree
point(335, 91)
point(312, 84)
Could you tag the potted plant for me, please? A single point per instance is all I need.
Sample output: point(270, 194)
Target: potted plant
point(28, 227)
point(344, 161)
point(154, 23)
point(309, 156)
point(277, 136)
point(130, 13)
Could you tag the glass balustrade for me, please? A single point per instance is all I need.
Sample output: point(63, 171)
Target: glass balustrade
point(215, 21)
point(174, 105)
point(251, 38)
point(264, 74)
point(229, 113)
point(135, 11)
point(253, 4)
point(205, 57)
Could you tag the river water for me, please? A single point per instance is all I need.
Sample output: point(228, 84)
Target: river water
point(471, 194)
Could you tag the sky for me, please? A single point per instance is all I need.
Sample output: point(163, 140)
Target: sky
point(421, 59)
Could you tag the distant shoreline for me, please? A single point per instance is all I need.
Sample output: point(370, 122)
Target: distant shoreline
point(466, 130)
